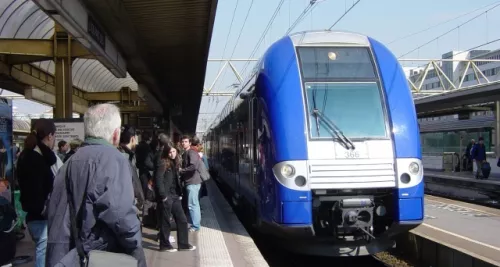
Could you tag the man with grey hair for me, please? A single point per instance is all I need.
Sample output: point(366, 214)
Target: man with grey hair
point(97, 182)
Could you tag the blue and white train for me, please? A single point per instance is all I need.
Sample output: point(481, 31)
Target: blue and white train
point(322, 144)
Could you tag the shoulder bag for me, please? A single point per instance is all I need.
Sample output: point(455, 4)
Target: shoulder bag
point(202, 170)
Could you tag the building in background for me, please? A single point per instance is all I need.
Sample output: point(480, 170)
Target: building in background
point(451, 133)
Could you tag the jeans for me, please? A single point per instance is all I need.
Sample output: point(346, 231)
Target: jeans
point(172, 206)
point(194, 205)
point(479, 171)
point(38, 232)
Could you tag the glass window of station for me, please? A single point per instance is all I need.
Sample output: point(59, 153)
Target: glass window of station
point(439, 142)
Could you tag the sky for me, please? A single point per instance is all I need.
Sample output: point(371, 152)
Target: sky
point(388, 21)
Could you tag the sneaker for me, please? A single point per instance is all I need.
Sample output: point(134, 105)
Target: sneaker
point(192, 230)
point(171, 239)
point(168, 249)
point(189, 248)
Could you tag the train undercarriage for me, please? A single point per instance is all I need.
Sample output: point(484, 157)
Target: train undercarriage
point(353, 215)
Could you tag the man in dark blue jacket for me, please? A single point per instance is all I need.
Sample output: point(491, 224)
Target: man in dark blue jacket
point(108, 221)
point(478, 154)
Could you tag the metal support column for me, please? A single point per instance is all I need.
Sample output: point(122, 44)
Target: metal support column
point(165, 121)
point(497, 128)
point(63, 74)
point(125, 118)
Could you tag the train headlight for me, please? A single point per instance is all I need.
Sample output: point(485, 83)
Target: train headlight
point(287, 170)
point(414, 168)
point(332, 55)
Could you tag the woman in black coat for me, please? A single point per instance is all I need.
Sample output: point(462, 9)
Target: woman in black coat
point(36, 168)
point(169, 196)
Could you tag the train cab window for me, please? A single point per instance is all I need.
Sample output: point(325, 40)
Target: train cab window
point(355, 108)
point(336, 63)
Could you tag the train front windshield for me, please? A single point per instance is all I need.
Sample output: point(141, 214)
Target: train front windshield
point(341, 83)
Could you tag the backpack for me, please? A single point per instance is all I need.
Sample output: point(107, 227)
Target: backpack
point(8, 215)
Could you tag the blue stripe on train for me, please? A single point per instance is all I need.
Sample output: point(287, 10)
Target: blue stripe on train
point(400, 101)
point(283, 101)
point(404, 127)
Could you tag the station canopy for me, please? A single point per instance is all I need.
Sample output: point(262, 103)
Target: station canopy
point(171, 38)
point(23, 19)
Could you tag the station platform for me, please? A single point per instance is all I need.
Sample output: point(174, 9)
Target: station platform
point(221, 242)
point(468, 228)
point(464, 186)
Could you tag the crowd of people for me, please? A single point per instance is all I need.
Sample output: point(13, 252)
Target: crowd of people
point(92, 198)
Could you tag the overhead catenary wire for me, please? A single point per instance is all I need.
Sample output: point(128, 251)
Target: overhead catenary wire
point(441, 23)
point(477, 46)
point(227, 39)
point(229, 32)
point(236, 43)
point(451, 30)
point(343, 15)
point(263, 35)
point(239, 35)
point(271, 20)
point(241, 29)
point(302, 15)
point(309, 8)
point(467, 50)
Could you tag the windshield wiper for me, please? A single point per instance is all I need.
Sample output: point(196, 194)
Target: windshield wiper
point(334, 129)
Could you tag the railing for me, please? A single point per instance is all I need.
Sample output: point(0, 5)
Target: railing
point(461, 74)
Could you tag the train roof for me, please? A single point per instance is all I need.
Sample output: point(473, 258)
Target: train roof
point(312, 38)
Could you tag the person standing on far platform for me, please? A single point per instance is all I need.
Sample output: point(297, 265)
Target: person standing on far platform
point(478, 154)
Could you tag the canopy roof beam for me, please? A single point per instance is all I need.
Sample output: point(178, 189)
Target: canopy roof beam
point(20, 51)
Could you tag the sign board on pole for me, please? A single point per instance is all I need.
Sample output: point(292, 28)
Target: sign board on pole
point(66, 129)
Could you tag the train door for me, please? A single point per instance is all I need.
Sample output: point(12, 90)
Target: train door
point(236, 166)
point(254, 143)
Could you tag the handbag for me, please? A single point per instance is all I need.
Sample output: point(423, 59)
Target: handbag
point(94, 258)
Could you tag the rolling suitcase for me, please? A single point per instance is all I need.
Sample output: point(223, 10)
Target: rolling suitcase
point(486, 169)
